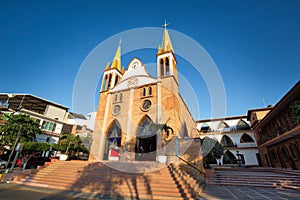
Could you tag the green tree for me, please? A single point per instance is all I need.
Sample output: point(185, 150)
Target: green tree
point(212, 150)
point(295, 108)
point(9, 130)
point(69, 141)
point(36, 147)
point(86, 141)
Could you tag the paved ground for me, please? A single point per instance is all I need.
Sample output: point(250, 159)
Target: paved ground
point(247, 193)
point(13, 191)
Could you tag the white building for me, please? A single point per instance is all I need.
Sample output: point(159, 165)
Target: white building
point(51, 116)
point(236, 137)
point(81, 120)
point(83, 126)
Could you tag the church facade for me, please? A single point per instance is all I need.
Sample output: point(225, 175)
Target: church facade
point(140, 117)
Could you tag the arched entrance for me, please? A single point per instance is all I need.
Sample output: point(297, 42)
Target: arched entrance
point(113, 142)
point(229, 158)
point(145, 147)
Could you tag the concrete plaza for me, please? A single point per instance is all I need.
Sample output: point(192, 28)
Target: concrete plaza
point(247, 193)
point(14, 191)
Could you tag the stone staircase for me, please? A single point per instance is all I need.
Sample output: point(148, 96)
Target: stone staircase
point(168, 182)
point(254, 177)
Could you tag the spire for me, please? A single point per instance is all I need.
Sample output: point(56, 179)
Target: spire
point(116, 64)
point(107, 65)
point(166, 45)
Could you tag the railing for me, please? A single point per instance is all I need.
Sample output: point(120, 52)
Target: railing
point(191, 165)
point(249, 144)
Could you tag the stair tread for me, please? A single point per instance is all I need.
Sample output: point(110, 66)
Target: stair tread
point(97, 177)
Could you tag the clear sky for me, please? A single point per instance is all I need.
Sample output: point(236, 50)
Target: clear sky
point(254, 44)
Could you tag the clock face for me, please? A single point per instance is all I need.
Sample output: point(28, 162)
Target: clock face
point(146, 104)
point(116, 109)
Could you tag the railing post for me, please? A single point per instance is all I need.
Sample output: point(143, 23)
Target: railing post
point(177, 148)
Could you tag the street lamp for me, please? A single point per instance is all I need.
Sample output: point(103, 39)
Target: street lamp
point(239, 160)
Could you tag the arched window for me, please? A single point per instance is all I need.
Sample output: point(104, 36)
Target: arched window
point(246, 138)
point(115, 98)
point(104, 83)
point(167, 67)
point(242, 125)
point(276, 128)
point(205, 128)
point(273, 155)
point(284, 153)
point(149, 91)
point(222, 125)
point(292, 151)
point(297, 150)
point(144, 92)
point(229, 158)
point(109, 82)
point(162, 71)
point(226, 141)
point(280, 157)
point(145, 129)
point(120, 96)
point(117, 79)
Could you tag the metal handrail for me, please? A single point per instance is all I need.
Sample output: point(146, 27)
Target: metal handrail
point(190, 164)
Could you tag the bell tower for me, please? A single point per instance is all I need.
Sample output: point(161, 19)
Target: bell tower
point(166, 61)
point(113, 72)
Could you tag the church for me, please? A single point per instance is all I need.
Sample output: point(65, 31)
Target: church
point(144, 118)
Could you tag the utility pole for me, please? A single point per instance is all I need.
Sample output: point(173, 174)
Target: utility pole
point(19, 132)
point(14, 147)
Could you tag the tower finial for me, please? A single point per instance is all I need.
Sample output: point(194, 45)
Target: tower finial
point(117, 59)
point(120, 41)
point(166, 45)
point(165, 24)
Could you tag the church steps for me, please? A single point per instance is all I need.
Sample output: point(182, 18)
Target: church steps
point(194, 186)
point(87, 168)
point(97, 177)
point(90, 176)
point(140, 186)
point(57, 179)
point(155, 193)
point(255, 177)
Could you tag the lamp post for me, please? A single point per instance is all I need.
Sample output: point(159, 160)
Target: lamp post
point(239, 160)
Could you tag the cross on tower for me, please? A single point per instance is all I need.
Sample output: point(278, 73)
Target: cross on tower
point(165, 24)
point(120, 41)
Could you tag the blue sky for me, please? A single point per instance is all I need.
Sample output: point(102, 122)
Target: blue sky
point(254, 44)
